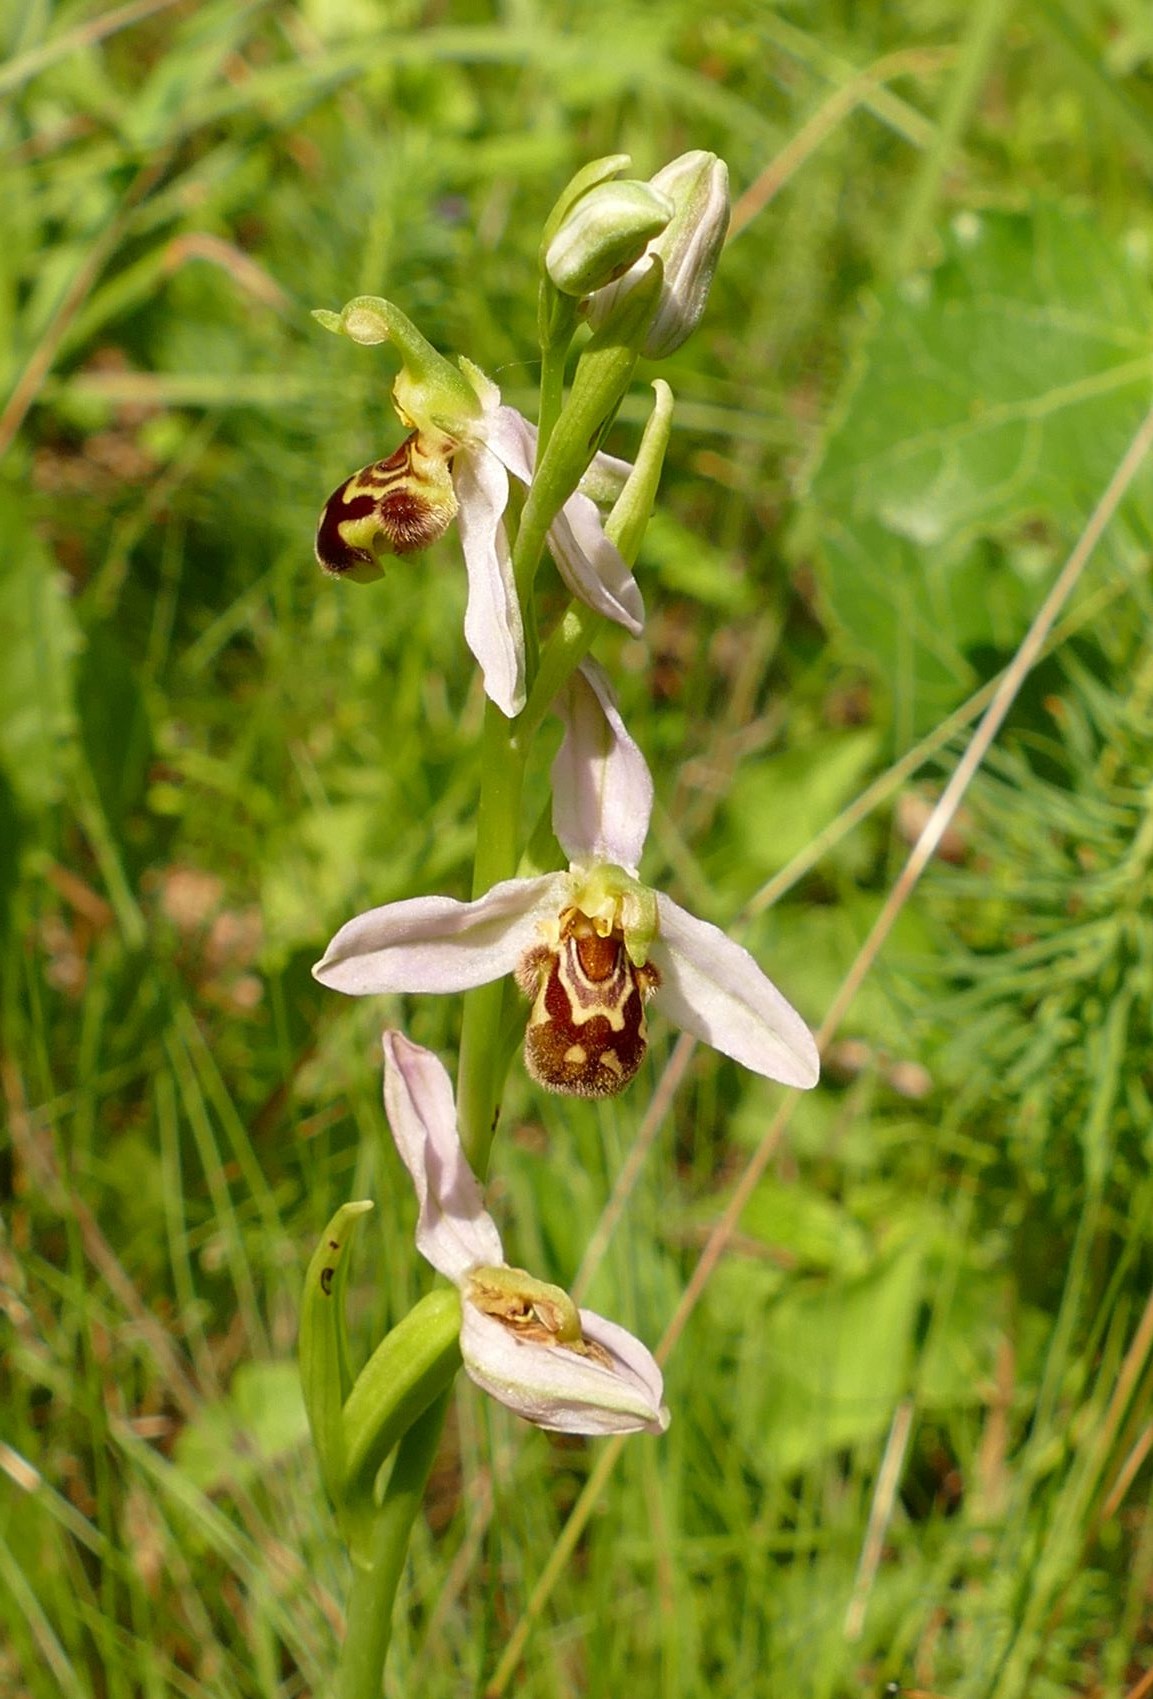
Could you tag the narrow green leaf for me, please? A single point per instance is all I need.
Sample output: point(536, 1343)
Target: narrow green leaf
point(325, 1371)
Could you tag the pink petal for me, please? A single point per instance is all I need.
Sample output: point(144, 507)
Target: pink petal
point(558, 1389)
point(454, 1230)
point(493, 628)
point(631, 1359)
point(438, 944)
point(714, 989)
point(602, 789)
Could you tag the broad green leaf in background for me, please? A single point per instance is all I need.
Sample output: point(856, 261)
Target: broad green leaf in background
point(990, 403)
point(825, 1365)
point(232, 1441)
point(777, 805)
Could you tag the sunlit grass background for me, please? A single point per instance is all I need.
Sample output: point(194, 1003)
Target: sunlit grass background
point(912, 1409)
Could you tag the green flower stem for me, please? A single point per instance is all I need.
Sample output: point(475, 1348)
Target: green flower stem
point(417, 1360)
point(504, 754)
point(478, 1087)
point(378, 1564)
point(568, 438)
point(551, 392)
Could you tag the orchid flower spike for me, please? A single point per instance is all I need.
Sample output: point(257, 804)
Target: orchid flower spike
point(455, 463)
point(590, 946)
point(522, 1340)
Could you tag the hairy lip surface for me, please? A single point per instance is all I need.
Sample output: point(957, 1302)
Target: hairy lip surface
point(587, 1034)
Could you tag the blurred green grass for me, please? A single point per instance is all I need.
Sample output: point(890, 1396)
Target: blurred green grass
point(931, 1321)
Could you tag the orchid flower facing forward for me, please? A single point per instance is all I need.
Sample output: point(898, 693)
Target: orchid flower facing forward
point(591, 945)
point(522, 1340)
point(463, 444)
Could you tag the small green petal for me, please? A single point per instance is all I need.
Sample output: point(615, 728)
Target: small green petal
point(431, 392)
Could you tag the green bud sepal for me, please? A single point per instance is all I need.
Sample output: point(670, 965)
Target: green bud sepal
point(589, 176)
point(697, 186)
point(605, 233)
point(556, 312)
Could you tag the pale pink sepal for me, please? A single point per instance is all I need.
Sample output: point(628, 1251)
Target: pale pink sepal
point(592, 567)
point(559, 1389)
point(605, 478)
point(714, 989)
point(509, 435)
point(493, 627)
point(454, 1230)
point(601, 786)
point(437, 944)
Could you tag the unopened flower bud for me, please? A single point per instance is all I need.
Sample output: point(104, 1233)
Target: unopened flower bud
point(697, 184)
point(604, 233)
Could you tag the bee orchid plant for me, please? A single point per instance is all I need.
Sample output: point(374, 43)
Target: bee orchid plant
point(587, 947)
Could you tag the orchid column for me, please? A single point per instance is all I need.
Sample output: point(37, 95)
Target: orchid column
point(585, 946)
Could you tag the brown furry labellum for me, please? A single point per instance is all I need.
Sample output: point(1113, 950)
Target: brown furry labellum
point(393, 507)
point(586, 1035)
